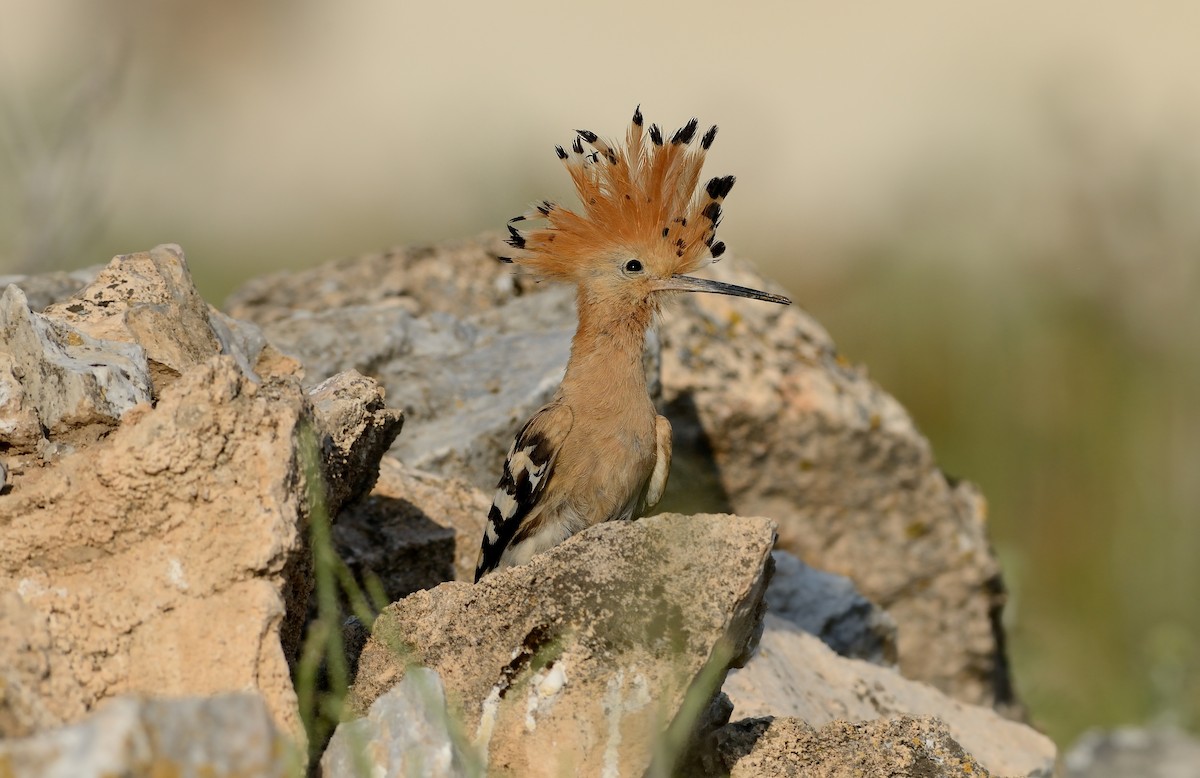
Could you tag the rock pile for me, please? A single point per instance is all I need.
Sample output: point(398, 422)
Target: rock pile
point(154, 525)
point(159, 457)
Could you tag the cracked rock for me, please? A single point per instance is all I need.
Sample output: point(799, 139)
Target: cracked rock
point(603, 645)
point(155, 542)
point(768, 420)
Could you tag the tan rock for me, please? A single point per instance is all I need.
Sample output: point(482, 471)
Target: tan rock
point(906, 746)
point(414, 531)
point(355, 427)
point(161, 548)
point(148, 298)
point(794, 674)
point(578, 661)
point(132, 551)
point(24, 664)
point(792, 431)
point(168, 559)
point(74, 369)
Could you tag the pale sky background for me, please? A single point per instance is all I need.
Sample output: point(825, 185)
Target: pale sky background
point(277, 134)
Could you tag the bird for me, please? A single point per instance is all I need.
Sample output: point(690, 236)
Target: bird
point(599, 451)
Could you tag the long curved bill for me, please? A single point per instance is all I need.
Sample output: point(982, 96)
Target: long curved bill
point(692, 284)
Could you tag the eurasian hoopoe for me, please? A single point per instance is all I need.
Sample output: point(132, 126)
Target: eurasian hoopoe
point(599, 451)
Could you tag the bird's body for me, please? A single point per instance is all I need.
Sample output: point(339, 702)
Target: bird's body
point(599, 451)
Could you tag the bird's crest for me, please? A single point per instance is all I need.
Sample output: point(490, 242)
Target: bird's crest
point(641, 198)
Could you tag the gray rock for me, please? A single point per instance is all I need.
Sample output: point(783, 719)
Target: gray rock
point(467, 349)
point(73, 370)
point(609, 646)
point(795, 675)
point(1130, 751)
point(42, 289)
point(226, 735)
point(768, 420)
point(466, 385)
point(71, 381)
point(470, 401)
point(20, 427)
point(828, 606)
point(407, 732)
point(458, 277)
point(148, 298)
point(789, 429)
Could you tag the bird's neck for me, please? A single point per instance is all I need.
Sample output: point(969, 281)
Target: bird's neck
point(606, 369)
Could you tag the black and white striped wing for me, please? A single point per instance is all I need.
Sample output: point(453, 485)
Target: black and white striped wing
point(527, 470)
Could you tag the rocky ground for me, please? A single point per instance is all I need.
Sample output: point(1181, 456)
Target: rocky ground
point(816, 598)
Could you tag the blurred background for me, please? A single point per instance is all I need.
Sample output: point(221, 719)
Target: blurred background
point(996, 207)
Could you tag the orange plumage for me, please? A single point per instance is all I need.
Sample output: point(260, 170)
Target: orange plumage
point(639, 199)
point(599, 451)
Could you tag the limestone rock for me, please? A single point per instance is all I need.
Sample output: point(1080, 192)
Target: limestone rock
point(74, 386)
point(592, 646)
point(414, 531)
point(148, 298)
point(20, 426)
point(41, 289)
point(355, 428)
point(468, 401)
point(24, 664)
point(130, 551)
point(75, 368)
point(407, 731)
point(227, 735)
point(462, 344)
point(792, 431)
point(190, 514)
point(155, 541)
point(458, 277)
point(794, 674)
point(906, 746)
point(768, 418)
point(466, 385)
point(829, 607)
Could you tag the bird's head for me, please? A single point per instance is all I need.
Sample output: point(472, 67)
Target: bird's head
point(646, 219)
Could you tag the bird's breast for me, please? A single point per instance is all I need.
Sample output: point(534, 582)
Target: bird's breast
point(607, 466)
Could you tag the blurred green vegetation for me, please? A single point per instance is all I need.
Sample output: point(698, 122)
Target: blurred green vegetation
point(1062, 374)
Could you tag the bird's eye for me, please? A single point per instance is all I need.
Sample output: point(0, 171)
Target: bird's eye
point(633, 266)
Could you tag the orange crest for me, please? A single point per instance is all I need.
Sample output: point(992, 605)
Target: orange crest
point(641, 200)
